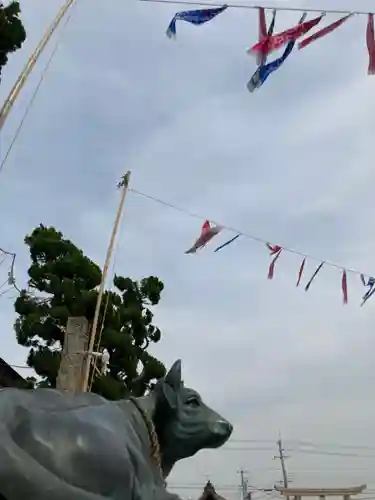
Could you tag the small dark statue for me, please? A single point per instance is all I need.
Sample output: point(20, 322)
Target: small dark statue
point(55, 446)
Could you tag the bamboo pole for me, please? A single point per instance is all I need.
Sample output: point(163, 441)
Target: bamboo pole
point(124, 183)
point(21, 80)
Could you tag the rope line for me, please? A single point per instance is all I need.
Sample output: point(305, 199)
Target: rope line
point(268, 7)
point(244, 234)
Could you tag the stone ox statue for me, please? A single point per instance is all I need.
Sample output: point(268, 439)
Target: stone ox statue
point(56, 446)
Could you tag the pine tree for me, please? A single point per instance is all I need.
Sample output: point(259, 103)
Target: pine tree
point(12, 31)
point(63, 282)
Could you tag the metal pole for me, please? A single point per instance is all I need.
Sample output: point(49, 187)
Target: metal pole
point(21, 80)
point(124, 183)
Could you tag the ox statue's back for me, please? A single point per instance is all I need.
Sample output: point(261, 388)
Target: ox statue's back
point(56, 446)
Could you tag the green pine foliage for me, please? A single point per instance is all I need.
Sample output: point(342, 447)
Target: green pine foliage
point(63, 282)
point(12, 31)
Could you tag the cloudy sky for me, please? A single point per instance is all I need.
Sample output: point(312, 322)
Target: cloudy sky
point(292, 164)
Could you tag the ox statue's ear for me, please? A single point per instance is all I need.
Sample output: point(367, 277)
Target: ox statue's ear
point(173, 377)
point(171, 385)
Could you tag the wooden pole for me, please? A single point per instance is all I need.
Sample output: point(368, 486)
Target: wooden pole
point(124, 185)
point(73, 354)
point(21, 80)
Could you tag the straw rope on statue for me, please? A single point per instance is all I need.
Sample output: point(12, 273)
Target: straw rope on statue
point(211, 230)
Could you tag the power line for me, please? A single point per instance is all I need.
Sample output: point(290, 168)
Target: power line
point(252, 441)
point(290, 443)
point(252, 488)
point(329, 453)
point(200, 487)
point(242, 233)
point(252, 7)
point(327, 470)
point(297, 451)
point(332, 445)
point(232, 487)
point(245, 448)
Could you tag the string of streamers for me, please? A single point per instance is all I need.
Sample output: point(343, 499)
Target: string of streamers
point(313, 276)
point(227, 243)
point(211, 229)
point(207, 233)
point(370, 41)
point(268, 41)
point(276, 251)
point(263, 33)
point(323, 32)
point(344, 287)
point(265, 70)
point(193, 17)
point(370, 283)
point(271, 43)
point(300, 272)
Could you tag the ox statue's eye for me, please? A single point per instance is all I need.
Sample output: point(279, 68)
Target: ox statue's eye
point(193, 402)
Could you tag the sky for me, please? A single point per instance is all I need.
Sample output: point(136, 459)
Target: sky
point(291, 164)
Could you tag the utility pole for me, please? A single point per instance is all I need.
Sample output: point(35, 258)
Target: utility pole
point(243, 484)
point(282, 458)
